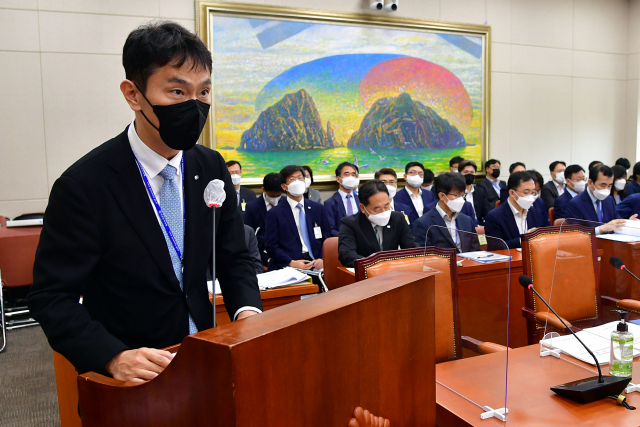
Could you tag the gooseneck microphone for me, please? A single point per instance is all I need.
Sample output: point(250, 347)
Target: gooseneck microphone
point(618, 264)
point(214, 197)
point(589, 389)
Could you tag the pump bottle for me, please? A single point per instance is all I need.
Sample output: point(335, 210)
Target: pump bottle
point(621, 358)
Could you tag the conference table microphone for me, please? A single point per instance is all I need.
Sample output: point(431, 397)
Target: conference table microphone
point(589, 389)
point(214, 197)
point(618, 264)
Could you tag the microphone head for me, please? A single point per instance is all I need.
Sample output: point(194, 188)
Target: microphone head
point(525, 281)
point(616, 262)
point(214, 194)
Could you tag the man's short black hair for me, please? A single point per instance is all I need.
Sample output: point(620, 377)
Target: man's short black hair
point(287, 171)
point(308, 169)
point(636, 171)
point(385, 171)
point(466, 163)
point(271, 182)
point(456, 159)
point(553, 165)
point(428, 176)
point(515, 165)
point(593, 164)
point(445, 182)
point(342, 166)
point(571, 170)
point(157, 44)
point(369, 189)
point(596, 171)
point(515, 179)
point(412, 164)
point(618, 172)
point(490, 163)
point(233, 162)
point(624, 162)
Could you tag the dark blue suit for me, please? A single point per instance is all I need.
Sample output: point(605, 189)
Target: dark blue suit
point(632, 188)
point(334, 211)
point(440, 237)
point(467, 209)
point(283, 241)
point(581, 207)
point(401, 207)
point(501, 223)
point(255, 216)
point(629, 206)
point(561, 203)
point(403, 197)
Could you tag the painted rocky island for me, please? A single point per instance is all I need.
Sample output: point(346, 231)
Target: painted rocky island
point(294, 123)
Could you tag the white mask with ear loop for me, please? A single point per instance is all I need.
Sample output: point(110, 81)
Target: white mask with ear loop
point(297, 188)
point(380, 219)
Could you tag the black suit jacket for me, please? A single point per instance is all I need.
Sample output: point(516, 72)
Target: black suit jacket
point(256, 217)
point(101, 239)
point(490, 192)
point(549, 194)
point(357, 239)
point(247, 196)
point(439, 236)
point(480, 203)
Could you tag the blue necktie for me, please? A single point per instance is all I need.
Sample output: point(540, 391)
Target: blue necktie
point(349, 207)
point(171, 206)
point(303, 228)
point(599, 209)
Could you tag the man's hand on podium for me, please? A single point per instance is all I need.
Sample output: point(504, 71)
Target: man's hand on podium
point(139, 366)
point(246, 313)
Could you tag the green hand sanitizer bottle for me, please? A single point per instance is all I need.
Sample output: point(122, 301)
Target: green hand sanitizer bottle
point(621, 358)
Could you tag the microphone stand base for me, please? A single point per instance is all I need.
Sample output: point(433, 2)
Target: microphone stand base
point(589, 389)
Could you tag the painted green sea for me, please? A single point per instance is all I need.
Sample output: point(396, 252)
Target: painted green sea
point(258, 164)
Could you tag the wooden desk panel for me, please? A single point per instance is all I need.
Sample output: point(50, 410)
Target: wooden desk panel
point(616, 283)
point(529, 400)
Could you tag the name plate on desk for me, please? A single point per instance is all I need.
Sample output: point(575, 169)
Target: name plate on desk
point(24, 223)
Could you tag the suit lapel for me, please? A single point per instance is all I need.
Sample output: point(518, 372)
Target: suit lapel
point(437, 220)
point(262, 207)
point(340, 203)
point(588, 207)
point(129, 191)
point(369, 232)
point(509, 219)
point(388, 236)
point(288, 214)
point(198, 229)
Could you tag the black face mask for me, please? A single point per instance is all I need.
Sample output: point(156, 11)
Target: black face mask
point(469, 178)
point(180, 124)
point(495, 173)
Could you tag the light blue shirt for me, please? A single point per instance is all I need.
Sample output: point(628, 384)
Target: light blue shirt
point(354, 206)
point(573, 193)
point(495, 185)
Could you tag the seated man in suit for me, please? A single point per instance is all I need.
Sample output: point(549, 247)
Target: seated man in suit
point(554, 188)
point(389, 178)
point(514, 167)
point(344, 202)
point(447, 213)
point(515, 217)
point(541, 209)
point(574, 185)
point(296, 227)
point(244, 195)
point(595, 205)
point(256, 214)
point(629, 207)
point(376, 227)
point(412, 194)
point(474, 194)
point(492, 184)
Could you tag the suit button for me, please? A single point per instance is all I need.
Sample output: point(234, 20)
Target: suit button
point(186, 296)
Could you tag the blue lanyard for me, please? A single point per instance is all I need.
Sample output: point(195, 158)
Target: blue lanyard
point(157, 205)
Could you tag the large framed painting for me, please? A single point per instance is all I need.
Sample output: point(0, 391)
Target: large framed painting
point(307, 87)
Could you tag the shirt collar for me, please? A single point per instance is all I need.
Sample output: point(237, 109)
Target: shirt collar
point(344, 195)
point(515, 210)
point(293, 203)
point(558, 186)
point(412, 195)
point(573, 193)
point(473, 188)
point(444, 215)
point(151, 162)
point(591, 196)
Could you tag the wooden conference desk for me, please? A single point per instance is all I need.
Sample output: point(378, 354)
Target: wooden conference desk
point(529, 399)
point(66, 375)
point(615, 283)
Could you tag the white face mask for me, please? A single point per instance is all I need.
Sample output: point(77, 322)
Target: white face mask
point(307, 182)
point(235, 178)
point(350, 182)
point(456, 204)
point(620, 184)
point(392, 191)
point(428, 187)
point(380, 219)
point(273, 201)
point(415, 180)
point(601, 194)
point(560, 177)
point(526, 202)
point(296, 189)
point(578, 187)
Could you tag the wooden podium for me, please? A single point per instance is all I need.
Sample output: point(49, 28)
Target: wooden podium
point(309, 363)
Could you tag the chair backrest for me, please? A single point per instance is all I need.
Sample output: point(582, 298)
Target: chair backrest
point(440, 261)
point(3, 221)
point(552, 215)
point(331, 262)
point(574, 272)
point(17, 255)
point(498, 203)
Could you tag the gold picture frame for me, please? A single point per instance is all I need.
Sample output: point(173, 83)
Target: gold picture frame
point(207, 11)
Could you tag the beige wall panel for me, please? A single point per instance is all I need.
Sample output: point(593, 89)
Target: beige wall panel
point(542, 23)
point(19, 30)
point(599, 65)
point(540, 60)
point(600, 26)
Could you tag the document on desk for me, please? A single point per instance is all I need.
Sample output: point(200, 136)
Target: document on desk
point(279, 278)
point(484, 256)
point(630, 229)
point(619, 237)
point(598, 339)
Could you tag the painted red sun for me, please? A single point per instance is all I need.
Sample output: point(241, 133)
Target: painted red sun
point(433, 85)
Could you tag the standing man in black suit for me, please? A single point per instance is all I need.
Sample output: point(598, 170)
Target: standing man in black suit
point(492, 185)
point(376, 227)
point(244, 195)
point(127, 228)
point(474, 194)
point(554, 188)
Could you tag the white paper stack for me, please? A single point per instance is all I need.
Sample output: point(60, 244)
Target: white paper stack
point(631, 228)
point(278, 278)
point(25, 223)
point(484, 256)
